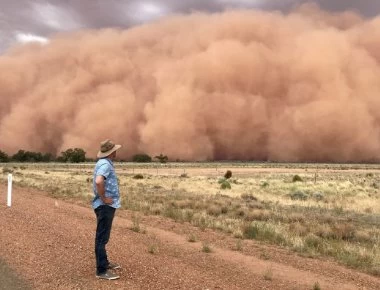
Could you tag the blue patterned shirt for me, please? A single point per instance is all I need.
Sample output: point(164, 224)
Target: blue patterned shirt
point(104, 167)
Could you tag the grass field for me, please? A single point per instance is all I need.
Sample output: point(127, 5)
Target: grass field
point(317, 210)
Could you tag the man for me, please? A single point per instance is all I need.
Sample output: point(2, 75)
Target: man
point(106, 201)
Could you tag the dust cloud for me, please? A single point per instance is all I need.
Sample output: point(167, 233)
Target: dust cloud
point(247, 85)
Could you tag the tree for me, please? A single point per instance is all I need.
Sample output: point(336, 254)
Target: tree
point(20, 156)
point(75, 155)
point(29, 156)
point(4, 157)
point(162, 158)
point(141, 158)
point(47, 157)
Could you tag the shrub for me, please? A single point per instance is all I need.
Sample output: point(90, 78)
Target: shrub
point(192, 238)
point(162, 158)
point(214, 210)
point(28, 156)
point(225, 185)
point(344, 231)
point(136, 224)
point(298, 229)
point(248, 196)
point(297, 178)
point(228, 174)
point(206, 248)
point(75, 155)
point(324, 231)
point(7, 170)
point(141, 158)
point(299, 195)
point(268, 275)
point(263, 232)
point(318, 196)
point(4, 157)
point(264, 184)
point(221, 180)
point(259, 215)
point(138, 176)
point(313, 242)
point(153, 249)
point(238, 246)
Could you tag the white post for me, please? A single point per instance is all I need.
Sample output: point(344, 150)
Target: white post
point(9, 200)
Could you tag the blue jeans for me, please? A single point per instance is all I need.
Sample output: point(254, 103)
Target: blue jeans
point(104, 217)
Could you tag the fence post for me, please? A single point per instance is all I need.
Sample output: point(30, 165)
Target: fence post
point(9, 199)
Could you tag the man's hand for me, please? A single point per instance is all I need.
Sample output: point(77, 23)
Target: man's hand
point(99, 181)
point(107, 200)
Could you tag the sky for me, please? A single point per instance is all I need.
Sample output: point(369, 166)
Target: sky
point(25, 21)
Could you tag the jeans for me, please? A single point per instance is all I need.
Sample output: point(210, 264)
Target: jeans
point(104, 217)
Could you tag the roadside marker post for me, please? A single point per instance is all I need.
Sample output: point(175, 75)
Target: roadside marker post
point(9, 199)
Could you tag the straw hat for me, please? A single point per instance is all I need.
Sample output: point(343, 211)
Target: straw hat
point(107, 147)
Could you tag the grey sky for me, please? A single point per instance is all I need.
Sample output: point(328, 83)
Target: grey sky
point(35, 20)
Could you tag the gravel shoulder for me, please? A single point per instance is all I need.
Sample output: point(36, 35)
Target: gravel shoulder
point(49, 243)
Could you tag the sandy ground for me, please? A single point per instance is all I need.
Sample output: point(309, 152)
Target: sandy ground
point(49, 244)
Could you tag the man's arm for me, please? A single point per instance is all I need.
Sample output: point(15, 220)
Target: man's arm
point(100, 187)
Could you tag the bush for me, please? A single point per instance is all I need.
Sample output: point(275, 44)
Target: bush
point(29, 156)
point(297, 178)
point(263, 232)
point(264, 184)
point(313, 242)
point(248, 196)
point(221, 180)
point(142, 158)
point(225, 185)
point(75, 155)
point(318, 196)
point(228, 174)
point(299, 195)
point(138, 176)
point(7, 170)
point(192, 238)
point(3, 157)
point(206, 248)
point(162, 158)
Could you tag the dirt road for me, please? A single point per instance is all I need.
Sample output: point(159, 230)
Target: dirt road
point(49, 244)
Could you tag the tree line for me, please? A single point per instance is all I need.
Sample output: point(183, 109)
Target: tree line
point(72, 155)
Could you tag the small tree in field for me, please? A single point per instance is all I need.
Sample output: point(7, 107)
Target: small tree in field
point(141, 158)
point(75, 155)
point(3, 157)
point(162, 158)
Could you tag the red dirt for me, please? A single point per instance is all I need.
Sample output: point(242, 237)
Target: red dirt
point(49, 243)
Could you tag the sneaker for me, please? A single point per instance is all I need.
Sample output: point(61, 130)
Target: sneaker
point(108, 275)
point(113, 266)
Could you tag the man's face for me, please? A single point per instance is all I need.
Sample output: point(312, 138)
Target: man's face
point(113, 156)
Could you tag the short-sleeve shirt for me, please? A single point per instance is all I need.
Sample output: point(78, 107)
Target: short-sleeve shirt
point(105, 168)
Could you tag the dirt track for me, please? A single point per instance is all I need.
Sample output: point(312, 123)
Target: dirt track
point(49, 243)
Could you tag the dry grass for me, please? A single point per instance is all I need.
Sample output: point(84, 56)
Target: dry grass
point(333, 213)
